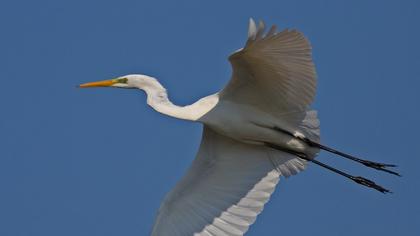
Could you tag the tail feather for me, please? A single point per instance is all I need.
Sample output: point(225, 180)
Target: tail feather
point(310, 126)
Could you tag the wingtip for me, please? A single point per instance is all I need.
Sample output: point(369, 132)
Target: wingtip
point(260, 30)
point(252, 29)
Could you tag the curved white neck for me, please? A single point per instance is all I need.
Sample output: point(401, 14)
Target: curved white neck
point(157, 98)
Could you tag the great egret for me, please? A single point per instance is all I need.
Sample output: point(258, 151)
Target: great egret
point(258, 128)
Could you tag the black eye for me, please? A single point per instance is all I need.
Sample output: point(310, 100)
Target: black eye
point(122, 80)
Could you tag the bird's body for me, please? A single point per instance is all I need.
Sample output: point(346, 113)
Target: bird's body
point(258, 128)
point(249, 125)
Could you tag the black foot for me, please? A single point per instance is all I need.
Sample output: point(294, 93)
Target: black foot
point(379, 166)
point(369, 183)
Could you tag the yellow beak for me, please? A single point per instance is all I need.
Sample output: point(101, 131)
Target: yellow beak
point(103, 83)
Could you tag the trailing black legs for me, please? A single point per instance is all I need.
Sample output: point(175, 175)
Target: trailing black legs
point(357, 179)
point(371, 164)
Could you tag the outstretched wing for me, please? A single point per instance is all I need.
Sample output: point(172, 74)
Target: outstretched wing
point(225, 188)
point(274, 72)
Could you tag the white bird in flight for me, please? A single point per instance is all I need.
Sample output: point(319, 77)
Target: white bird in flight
point(258, 128)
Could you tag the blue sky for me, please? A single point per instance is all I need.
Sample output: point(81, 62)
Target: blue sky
point(98, 162)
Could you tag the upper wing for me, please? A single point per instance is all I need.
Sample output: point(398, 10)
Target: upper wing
point(225, 188)
point(273, 72)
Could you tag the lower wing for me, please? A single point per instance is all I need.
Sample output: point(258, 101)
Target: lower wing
point(225, 188)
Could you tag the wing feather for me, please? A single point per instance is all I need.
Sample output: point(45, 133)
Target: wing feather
point(273, 72)
point(225, 188)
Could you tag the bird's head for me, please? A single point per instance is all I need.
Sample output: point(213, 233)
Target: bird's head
point(127, 81)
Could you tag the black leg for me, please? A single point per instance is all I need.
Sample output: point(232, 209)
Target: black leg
point(357, 179)
point(371, 164)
